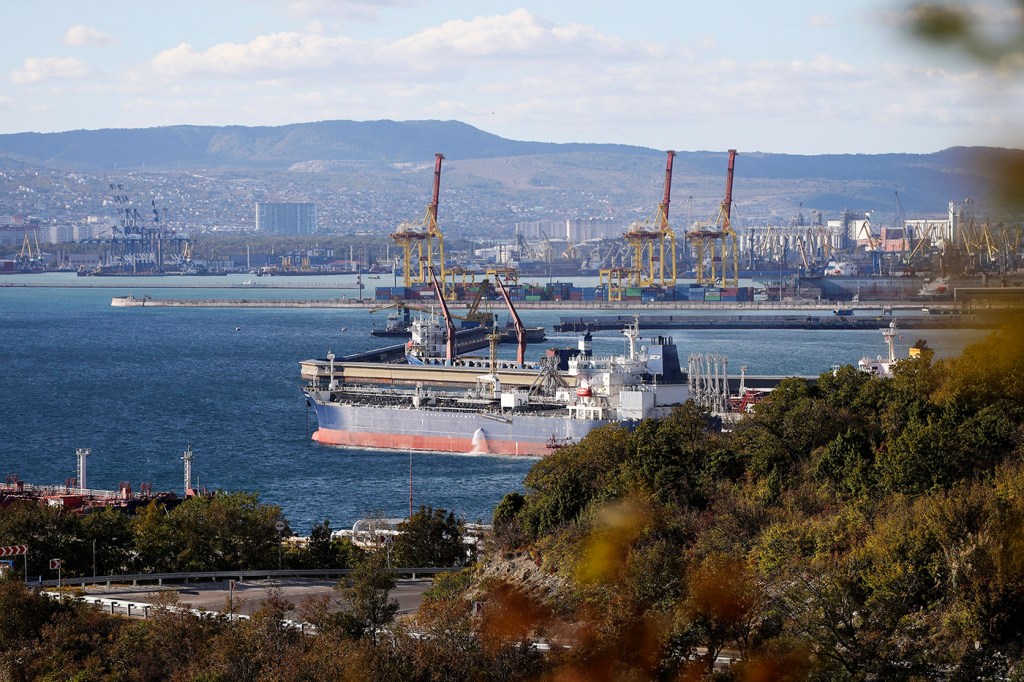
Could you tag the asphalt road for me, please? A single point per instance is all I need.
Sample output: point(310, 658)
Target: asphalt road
point(247, 597)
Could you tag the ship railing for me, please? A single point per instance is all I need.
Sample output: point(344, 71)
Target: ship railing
point(59, 490)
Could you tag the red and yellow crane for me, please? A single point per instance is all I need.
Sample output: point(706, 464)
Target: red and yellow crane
point(647, 240)
point(422, 242)
point(713, 259)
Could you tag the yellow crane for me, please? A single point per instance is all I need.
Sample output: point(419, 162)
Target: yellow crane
point(422, 241)
point(705, 239)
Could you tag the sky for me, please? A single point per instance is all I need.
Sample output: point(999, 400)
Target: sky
point(788, 76)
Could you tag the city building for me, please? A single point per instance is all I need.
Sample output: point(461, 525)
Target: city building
point(286, 218)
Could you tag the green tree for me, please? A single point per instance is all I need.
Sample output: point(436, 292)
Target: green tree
point(430, 537)
point(109, 531)
point(367, 595)
point(156, 543)
point(326, 551)
point(225, 531)
point(50, 533)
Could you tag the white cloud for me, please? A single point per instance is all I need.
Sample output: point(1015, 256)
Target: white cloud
point(821, 21)
point(37, 70)
point(359, 10)
point(516, 36)
point(266, 55)
point(79, 36)
point(519, 34)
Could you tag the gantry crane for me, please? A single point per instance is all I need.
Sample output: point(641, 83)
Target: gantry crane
point(424, 239)
point(704, 240)
point(647, 240)
point(29, 259)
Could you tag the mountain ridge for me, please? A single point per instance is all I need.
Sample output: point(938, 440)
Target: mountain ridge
point(493, 168)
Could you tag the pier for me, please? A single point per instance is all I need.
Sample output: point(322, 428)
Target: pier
point(729, 321)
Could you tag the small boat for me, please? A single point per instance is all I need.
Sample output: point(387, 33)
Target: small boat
point(238, 329)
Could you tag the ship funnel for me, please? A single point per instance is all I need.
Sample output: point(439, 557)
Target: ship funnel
point(586, 345)
point(480, 446)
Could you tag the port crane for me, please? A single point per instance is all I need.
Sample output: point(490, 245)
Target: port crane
point(423, 242)
point(29, 259)
point(705, 239)
point(647, 239)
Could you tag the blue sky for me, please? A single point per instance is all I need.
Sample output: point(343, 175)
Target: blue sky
point(783, 76)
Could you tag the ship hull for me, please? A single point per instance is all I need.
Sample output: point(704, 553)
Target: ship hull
point(408, 428)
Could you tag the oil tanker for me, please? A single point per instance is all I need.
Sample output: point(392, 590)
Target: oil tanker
point(489, 407)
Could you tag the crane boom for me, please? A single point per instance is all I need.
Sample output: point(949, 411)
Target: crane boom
point(727, 202)
point(449, 326)
point(520, 329)
point(432, 209)
point(668, 189)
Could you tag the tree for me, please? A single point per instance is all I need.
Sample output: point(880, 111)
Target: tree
point(367, 595)
point(430, 537)
point(156, 544)
point(109, 531)
point(326, 551)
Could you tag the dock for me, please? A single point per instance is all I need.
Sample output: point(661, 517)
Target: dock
point(747, 321)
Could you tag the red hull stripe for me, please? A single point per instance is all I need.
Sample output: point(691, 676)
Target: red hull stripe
point(394, 441)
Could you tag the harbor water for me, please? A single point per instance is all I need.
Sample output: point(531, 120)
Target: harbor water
point(136, 385)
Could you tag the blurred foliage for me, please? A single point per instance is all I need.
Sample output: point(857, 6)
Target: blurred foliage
point(998, 46)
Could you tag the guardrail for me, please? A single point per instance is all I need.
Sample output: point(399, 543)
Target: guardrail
point(213, 576)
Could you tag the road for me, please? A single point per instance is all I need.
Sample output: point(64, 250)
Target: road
point(248, 595)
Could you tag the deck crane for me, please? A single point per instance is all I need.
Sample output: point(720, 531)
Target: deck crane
point(424, 239)
point(520, 329)
point(449, 326)
point(648, 265)
point(472, 314)
point(704, 240)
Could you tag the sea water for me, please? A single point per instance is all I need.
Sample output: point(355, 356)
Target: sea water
point(137, 385)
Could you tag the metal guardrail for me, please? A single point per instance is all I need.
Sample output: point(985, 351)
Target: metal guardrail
point(213, 576)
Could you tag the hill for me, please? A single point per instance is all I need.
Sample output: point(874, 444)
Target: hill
point(550, 180)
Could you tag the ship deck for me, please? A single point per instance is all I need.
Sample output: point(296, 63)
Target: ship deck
point(390, 374)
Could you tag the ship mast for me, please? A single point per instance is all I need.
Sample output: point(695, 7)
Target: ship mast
point(187, 458)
